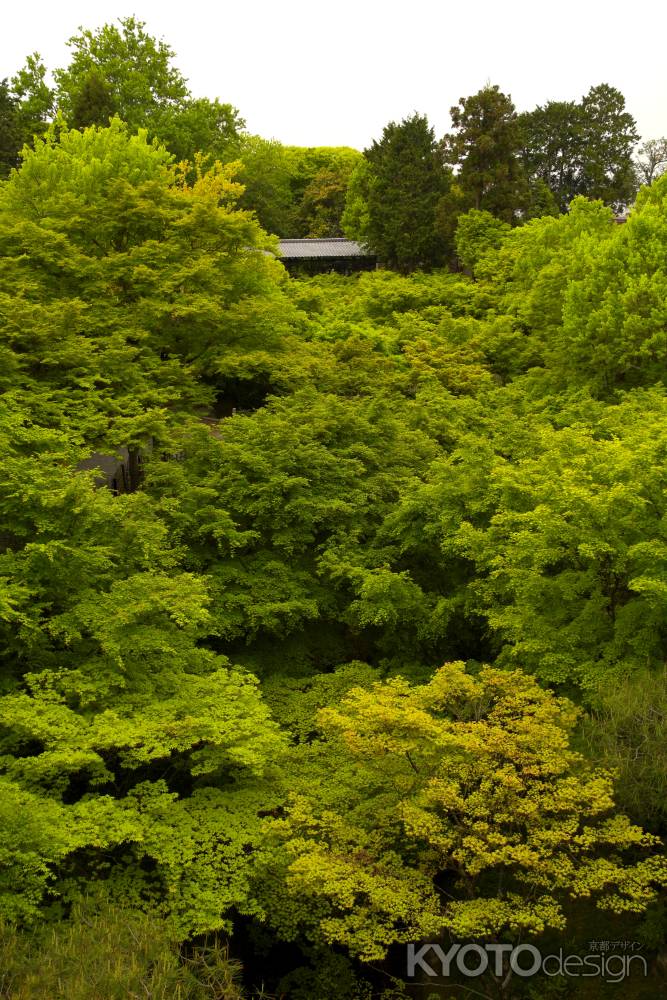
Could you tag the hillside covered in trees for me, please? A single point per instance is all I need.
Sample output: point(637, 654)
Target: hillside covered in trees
point(369, 650)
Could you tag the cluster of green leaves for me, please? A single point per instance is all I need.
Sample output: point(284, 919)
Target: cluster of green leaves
point(117, 71)
point(295, 191)
point(121, 71)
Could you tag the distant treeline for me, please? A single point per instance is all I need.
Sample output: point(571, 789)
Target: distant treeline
point(403, 196)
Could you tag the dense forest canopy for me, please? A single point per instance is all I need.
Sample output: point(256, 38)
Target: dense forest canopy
point(369, 649)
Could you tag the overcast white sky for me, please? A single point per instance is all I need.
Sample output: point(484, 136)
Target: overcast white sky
point(310, 72)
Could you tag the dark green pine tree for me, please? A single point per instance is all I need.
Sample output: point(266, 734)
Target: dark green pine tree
point(26, 104)
point(407, 180)
point(582, 148)
point(485, 146)
point(552, 142)
point(10, 130)
point(609, 137)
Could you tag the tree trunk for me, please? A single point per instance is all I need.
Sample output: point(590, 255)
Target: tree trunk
point(134, 469)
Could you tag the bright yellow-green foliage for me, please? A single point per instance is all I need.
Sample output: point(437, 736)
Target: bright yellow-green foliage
point(122, 734)
point(477, 233)
point(567, 540)
point(120, 284)
point(455, 805)
point(109, 696)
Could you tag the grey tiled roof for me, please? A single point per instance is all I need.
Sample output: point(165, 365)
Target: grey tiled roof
point(337, 247)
